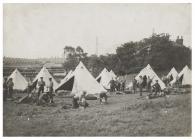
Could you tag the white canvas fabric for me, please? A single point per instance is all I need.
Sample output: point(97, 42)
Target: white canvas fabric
point(46, 75)
point(19, 81)
point(174, 73)
point(113, 74)
point(148, 71)
point(187, 76)
point(106, 77)
point(83, 81)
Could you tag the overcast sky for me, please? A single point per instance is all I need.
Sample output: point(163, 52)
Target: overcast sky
point(42, 30)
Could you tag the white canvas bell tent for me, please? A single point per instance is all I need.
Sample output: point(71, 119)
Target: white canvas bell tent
point(113, 74)
point(172, 73)
point(104, 78)
point(185, 76)
point(65, 79)
point(148, 71)
point(81, 80)
point(19, 81)
point(46, 75)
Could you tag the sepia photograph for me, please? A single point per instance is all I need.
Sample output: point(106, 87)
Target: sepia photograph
point(97, 69)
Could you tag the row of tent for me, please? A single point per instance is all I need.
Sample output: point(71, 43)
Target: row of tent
point(148, 71)
point(105, 77)
point(78, 80)
point(20, 83)
point(185, 76)
point(81, 79)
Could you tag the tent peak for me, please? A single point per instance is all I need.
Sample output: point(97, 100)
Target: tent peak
point(186, 67)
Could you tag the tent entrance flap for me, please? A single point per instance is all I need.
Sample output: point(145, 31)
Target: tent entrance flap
point(68, 85)
point(98, 80)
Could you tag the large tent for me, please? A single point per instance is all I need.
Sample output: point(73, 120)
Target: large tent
point(148, 71)
point(19, 81)
point(81, 80)
point(185, 76)
point(173, 73)
point(46, 75)
point(104, 78)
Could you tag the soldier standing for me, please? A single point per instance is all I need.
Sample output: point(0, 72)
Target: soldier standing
point(134, 85)
point(10, 85)
point(5, 88)
point(50, 86)
point(140, 82)
point(41, 85)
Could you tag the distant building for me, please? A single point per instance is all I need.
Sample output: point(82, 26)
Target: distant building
point(56, 60)
point(179, 41)
point(30, 67)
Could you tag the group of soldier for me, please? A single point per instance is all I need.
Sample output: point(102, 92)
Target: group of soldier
point(9, 84)
point(117, 85)
point(41, 89)
point(145, 82)
point(167, 80)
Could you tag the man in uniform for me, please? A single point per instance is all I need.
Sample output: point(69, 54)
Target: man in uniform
point(134, 85)
point(5, 89)
point(41, 85)
point(112, 85)
point(103, 96)
point(29, 87)
point(50, 87)
point(144, 81)
point(149, 82)
point(156, 87)
point(10, 85)
point(75, 103)
point(82, 100)
point(140, 82)
point(123, 85)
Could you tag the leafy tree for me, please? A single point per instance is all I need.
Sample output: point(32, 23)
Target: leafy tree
point(157, 50)
point(75, 55)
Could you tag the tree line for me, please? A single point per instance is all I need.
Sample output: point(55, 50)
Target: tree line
point(157, 50)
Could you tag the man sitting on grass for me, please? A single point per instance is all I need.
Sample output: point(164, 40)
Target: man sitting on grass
point(103, 97)
point(82, 100)
point(75, 103)
point(156, 88)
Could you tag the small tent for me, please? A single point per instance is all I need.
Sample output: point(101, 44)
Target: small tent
point(46, 75)
point(185, 76)
point(104, 78)
point(148, 71)
point(173, 73)
point(81, 80)
point(19, 81)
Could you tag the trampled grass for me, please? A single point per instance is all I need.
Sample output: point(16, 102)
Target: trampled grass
point(124, 115)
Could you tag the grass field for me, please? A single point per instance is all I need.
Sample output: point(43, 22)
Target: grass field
point(124, 115)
